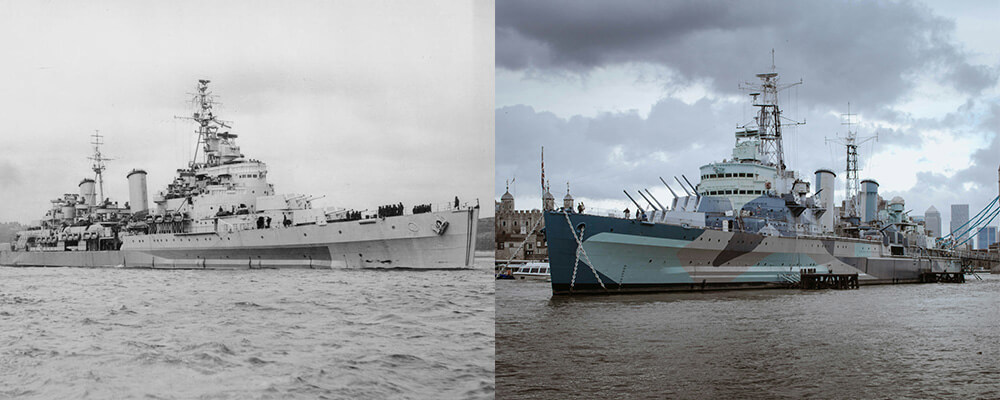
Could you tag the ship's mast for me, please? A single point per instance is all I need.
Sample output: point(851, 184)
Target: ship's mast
point(543, 172)
point(768, 120)
point(208, 126)
point(851, 142)
point(98, 165)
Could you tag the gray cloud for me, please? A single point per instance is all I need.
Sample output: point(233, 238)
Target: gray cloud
point(9, 175)
point(864, 52)
point(602, 155)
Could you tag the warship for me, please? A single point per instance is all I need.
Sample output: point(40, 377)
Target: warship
point(749, 223)
point(220, 212)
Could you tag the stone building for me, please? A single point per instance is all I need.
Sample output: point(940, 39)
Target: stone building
point(514, 226)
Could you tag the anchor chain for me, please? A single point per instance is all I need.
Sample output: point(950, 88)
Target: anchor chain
point(579, 250)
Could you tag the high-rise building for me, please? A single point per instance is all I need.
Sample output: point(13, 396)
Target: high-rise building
point(986, 237)
point(959, 216)
point(932, 221)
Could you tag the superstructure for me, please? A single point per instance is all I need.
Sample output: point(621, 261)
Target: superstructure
point(750, 223)
point(220, 211)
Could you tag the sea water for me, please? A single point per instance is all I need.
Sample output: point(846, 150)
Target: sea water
point(247, 334)
point(892, 341)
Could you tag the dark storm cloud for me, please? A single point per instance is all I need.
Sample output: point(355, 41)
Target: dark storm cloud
point(602, 155)
point(864, 52)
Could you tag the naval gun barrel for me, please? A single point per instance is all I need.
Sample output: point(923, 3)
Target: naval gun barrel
point(647, 200)
point(633, 201)
point(668, 187)
point(654, 199)
point(682, 186)
point(692, 186)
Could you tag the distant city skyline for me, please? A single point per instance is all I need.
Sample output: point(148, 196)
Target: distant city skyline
point(985, 237)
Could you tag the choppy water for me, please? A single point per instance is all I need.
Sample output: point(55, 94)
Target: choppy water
point(902, 341)
point(109, 333)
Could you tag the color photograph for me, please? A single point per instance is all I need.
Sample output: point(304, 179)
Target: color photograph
point(763, 199)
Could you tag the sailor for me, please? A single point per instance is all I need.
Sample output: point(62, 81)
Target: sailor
point(268, 221)
point(286, 221)
point(626, 213)
point(579, 207)
point(456, 201)
point(260, 222)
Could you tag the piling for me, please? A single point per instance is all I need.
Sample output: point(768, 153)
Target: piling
point(813, 281)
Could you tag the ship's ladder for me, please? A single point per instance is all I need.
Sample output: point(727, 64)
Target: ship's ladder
point(580, 250)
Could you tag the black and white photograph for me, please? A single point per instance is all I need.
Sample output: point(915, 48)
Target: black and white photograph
point(747, 199)
point(246, 200)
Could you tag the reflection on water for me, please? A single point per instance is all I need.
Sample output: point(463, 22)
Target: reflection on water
point(923, 341)
point(110, 333)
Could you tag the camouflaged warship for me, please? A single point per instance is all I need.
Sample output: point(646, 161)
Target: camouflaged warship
point(221, 212)
point(749, 223)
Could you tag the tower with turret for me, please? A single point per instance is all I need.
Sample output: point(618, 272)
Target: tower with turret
point(507, 200)
point(568, 199)
point(548, 200)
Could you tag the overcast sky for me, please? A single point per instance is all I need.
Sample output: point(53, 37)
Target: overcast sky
point(622, 92)
point(366, 102)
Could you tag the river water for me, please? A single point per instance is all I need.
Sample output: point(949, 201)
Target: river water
point(113, 333)
point(894, 341)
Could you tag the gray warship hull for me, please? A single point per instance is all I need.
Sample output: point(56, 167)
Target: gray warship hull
point(404, 241)
point(625, 255)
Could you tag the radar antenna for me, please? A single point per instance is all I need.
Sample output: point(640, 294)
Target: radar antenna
point(851, 142)
point(98, 160)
